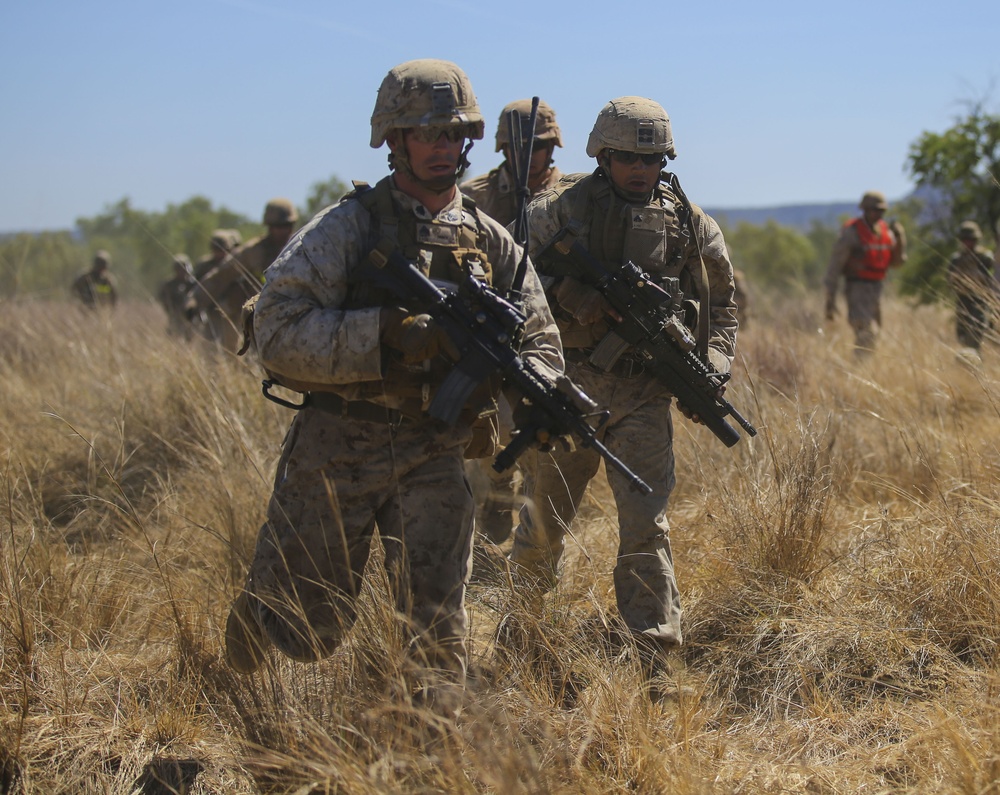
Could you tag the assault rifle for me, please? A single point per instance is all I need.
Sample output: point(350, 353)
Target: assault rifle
point(485, 328)
point(661, 342)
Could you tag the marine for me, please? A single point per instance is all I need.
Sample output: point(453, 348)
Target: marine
point(495, 194)
point(228, 285)
point(363, 456)
point(627, 210)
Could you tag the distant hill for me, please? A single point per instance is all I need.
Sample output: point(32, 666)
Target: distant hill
point(797, 216)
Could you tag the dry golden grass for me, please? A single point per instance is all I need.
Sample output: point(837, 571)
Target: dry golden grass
point(839, 575)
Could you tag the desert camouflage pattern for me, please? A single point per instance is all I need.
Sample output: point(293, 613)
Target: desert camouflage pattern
point(972, 278)
point(303, 332)
point(640, 432)
point(546, 126)
point(640, 428)
point(864, 312)
point(648, 236)
point(425, 92)
point(339, 477)
point(226, 287)
point(173, 297)
point(495, 193)
point(632, 124)
point(743, 297)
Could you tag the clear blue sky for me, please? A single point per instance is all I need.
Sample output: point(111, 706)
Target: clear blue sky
point(242, 100)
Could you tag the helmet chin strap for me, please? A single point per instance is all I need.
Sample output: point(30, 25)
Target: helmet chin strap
point(399, 160)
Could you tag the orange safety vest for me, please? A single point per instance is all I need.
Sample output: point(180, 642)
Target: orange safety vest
point(876, 251)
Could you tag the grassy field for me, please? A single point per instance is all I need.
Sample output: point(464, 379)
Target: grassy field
point(839, 576)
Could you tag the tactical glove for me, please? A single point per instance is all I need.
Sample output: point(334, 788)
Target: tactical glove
point(416, 336)
point(586, 304)
point(544, 430)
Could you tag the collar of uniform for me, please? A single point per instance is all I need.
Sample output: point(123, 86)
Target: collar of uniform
point(451, 215)
point(505, 179)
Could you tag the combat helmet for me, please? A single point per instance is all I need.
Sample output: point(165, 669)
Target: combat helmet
point(874, 200)
point(632, 124)
point(546, 128)
point(182, 262)
point(223, 240)
point(969, 230)
point(280, 211)
point(423, 93)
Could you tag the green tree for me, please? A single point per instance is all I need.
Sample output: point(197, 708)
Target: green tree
point(323, 194)
point(775, 257)
point(40, 264)
point(143, 244)
point(957, 173)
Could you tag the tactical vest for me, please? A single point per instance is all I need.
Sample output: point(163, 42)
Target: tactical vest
point(872, 262)
point(655, 237)
point(498, 196)
point(442, 251)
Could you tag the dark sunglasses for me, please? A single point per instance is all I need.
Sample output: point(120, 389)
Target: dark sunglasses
point(428, 135)
point(628, 158)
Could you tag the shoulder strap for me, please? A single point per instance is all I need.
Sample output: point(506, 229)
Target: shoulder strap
point(587, 189)
point(704, 291)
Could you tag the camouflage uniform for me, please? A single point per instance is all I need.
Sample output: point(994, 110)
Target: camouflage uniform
point(97, 287)
point(744, 303)
point(364, 454)
point(228, 285)
point(971, 277)
point(173, 297)
point(495, 193)
point(222, 242)
point(647, 232)
point(206, 318)
point(863, 288)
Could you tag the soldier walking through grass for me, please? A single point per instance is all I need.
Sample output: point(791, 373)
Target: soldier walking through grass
point(495, 193)
point(226, 286)
point(971, 278)
point(364, 453)
point(173, 296)
point(97, 287)
point(627, 210)
point(864, 252)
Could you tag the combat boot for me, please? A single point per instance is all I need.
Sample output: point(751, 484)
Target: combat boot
point(246, 641)
point(660, 665)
